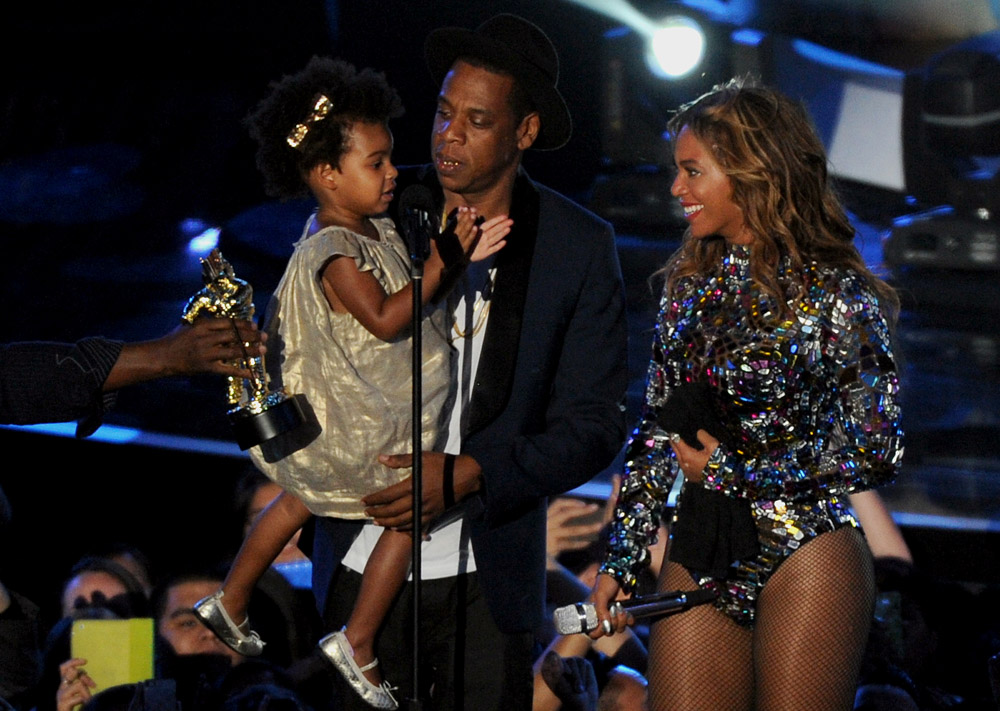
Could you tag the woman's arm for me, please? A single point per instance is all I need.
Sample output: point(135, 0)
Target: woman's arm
point(650, 471)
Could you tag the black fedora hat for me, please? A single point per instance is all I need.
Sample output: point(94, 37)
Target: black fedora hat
point(519, 47)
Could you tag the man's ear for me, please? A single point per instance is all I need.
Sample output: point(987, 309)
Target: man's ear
point(527, 132)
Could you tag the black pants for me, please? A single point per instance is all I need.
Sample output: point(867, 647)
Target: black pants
point(466, 662)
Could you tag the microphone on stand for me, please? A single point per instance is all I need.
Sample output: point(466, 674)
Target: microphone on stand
point(582, 616)
point(417, 220)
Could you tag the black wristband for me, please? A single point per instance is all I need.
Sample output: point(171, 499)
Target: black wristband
point(449, 248)
point(448, 481)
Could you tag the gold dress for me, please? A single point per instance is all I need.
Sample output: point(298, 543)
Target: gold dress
point(358, 386)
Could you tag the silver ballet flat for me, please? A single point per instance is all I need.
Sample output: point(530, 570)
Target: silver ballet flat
point(238, 637)
point(337, 649)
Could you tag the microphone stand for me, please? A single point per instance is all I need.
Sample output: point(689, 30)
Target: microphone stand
point(418, 228)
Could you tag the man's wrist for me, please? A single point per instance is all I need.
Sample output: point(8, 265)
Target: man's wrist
point(468, 477)
point(137, 363)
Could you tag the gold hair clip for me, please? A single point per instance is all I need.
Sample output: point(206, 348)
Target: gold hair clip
point(321, 107)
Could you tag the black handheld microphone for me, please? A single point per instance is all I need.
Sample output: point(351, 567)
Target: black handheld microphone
point(417, 220)
point(582, 616)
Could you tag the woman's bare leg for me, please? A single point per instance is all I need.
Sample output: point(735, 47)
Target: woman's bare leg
point(812, 625)
point(384, 576)
point(267, 537)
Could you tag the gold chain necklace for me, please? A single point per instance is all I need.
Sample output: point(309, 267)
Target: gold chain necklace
point(480, 309)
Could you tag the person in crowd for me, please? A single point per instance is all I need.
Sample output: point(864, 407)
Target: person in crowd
point(96, 588)
point(342, 315)
point(187, 651)
point(574, 685)
point(20, 630)
point(130, 557)
point(773, 391)
point(100, 581)
point(176, 623)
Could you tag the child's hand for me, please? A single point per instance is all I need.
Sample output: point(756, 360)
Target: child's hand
point(491, 237)
point(466, 229)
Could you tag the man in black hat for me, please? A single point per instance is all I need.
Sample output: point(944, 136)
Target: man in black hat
point(541, 340)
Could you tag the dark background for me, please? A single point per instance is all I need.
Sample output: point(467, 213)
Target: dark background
point(121, 128)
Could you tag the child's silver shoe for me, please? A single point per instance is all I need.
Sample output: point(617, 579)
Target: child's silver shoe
point(238, 637)
point(338, 651)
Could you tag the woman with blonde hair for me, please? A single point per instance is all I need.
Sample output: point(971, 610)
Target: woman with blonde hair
point(773, 391)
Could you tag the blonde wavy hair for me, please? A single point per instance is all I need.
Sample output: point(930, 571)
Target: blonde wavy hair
point(776, 165)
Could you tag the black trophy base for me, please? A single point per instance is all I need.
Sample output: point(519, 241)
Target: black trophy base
point(252, 429)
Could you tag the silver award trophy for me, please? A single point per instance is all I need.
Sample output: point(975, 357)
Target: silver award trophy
point(256, 413)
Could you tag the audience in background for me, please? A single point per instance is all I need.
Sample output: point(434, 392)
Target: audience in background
point(920, 654)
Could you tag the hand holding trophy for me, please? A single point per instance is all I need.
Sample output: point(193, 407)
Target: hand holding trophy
point(256, 413)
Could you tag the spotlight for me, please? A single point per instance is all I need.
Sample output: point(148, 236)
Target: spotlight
point(676, 44)
point(204, 242)
point(676, 47)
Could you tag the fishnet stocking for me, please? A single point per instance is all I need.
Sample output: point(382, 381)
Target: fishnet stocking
point(812, 624)
point(699, 660)
point(804, 652)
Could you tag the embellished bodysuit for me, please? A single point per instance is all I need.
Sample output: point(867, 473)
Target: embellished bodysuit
point(808, 400)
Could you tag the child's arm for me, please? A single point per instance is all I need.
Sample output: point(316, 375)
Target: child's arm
point(386, 315)
point(489, 242)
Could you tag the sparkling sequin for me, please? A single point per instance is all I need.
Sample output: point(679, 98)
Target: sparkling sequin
point(808, 398)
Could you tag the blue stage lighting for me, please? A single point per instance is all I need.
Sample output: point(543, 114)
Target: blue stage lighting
point(205, 242)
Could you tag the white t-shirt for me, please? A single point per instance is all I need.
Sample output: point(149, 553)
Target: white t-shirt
point(448, 552)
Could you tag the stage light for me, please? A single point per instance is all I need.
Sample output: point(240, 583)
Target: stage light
point(676, 43)
point(205, 242)
point(664, 53)
point(951, 157)
point(202, 237)
point(676, 47)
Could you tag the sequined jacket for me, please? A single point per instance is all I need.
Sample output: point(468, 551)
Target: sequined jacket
point(808, 399)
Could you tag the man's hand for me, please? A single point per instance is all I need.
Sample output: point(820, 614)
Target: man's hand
point(393, 507)
point(208, 346)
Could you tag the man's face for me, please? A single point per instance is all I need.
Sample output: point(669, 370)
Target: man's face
point(477, 140)
point(185, 632)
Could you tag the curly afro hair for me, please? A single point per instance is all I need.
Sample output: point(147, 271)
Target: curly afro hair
point(357, 96)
